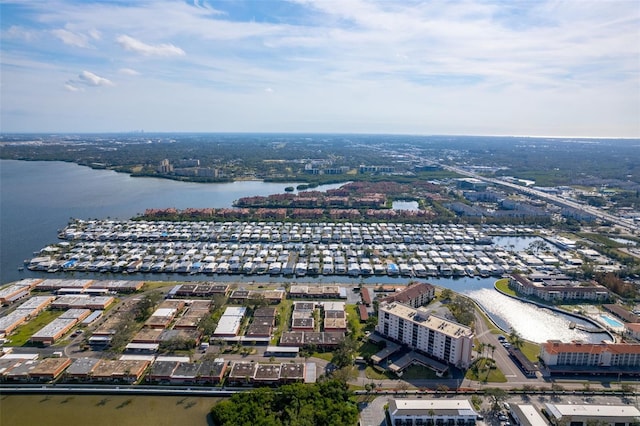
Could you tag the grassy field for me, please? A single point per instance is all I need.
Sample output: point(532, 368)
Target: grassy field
point(530, 350)
point(24, 332)
point(418, 372)
point(104, 410)
point(353, 319)
point(153, 285)
point(485, 374)
point(372, 373)
point(503, 285)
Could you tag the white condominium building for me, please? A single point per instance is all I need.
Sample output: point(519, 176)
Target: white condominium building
point(436, 337)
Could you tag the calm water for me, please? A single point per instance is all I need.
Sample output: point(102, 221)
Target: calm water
point(38, 198)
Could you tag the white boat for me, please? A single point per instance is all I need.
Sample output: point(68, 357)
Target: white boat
point(432, 270)
point(210, 268)
point(353, 269)
point(275, 268)
point(392, 269)
point(365, 268)
point(405, 270)
point(248, 268)
point(223, 268)
point(301, 269)
point(327, 269)
point(419, 270)
point(445, 270)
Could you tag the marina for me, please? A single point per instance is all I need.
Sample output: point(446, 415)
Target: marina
point(290, 249)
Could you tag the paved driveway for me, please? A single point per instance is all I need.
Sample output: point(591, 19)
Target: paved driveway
point(373, 412)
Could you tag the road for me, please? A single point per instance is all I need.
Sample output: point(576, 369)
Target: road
point(627, 224)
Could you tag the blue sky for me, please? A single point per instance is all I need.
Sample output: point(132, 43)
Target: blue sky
point(541, 68)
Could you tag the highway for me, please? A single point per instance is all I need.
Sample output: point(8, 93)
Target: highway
point(627, 224)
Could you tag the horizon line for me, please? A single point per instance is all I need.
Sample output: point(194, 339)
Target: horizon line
point(143, 132)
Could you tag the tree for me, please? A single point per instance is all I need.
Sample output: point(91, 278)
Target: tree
point(497, 395)
point(463, 310)
point(345, 374)
point(481, 347)
point(344, 354)
point(476, 400)
point(323, 403)
point(446, 294)
point(144, 308)
point(515, 339)
point(493, 349)
point(207, 325)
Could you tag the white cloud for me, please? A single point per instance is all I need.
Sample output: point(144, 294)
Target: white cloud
point(95, 34)
point(87, 79)
point(90, 79)
point(128, 71)
point(417, 66)
point(70, 38)
point(71, 88)
point(16, 31)
point(133, 45)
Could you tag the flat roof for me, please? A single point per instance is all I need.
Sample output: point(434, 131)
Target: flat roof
point(228, 325)
point(36, 302)
point(164, 312)
point(409, 407)
point(54, 328)
point(143, 346)
point(283, 349)
point(82, 366)
point(14, 355)
point(234, 311)
point(137, 357)
point(588, 410)
point(528, 415)
point(431, 321)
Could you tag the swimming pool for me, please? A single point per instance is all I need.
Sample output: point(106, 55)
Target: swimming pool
point(611, 322)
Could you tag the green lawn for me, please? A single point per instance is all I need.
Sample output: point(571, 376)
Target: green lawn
point(153, 285)
point(374, 374)
point(25, 331)
point(284, 313)
point(485, 374)
point(353, 320)
point(327, 356)
point(368, 349)
point(418, 372)
point(531, 350)
point(503, 285)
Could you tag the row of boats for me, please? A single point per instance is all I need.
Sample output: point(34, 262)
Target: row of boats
point(287, 264)
point(283, 232)
point(107, 247)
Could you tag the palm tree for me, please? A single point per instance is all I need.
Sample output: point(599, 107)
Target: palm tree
point(481, 347)
point(493, 349)
point(515, 339)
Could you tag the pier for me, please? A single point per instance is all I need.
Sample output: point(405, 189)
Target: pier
point(585, 328)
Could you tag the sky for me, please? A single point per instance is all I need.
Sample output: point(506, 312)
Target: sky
point(535, 67)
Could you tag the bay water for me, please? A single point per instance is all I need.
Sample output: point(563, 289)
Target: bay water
point(38, 198)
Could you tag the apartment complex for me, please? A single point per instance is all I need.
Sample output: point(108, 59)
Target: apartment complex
point(591, 357)
point(414, 295)
point(557, 288)
point(430, 334)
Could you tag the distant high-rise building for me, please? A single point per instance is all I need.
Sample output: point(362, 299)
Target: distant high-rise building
point(165, 167)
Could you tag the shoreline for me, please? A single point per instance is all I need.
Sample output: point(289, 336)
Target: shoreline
point(560, 311)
